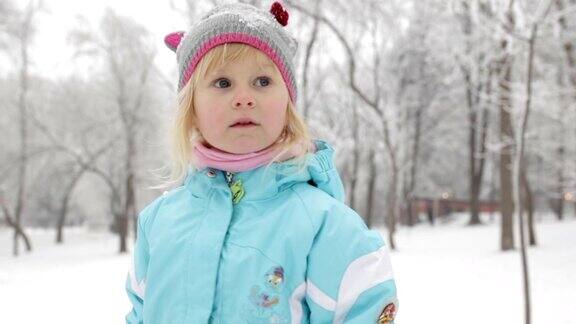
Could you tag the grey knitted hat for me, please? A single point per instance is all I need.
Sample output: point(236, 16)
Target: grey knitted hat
point(237, 23)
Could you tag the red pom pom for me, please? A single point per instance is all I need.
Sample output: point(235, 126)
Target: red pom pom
point(276, 7)
point(280, 13)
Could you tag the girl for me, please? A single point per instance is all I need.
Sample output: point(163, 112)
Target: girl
point(258, 232)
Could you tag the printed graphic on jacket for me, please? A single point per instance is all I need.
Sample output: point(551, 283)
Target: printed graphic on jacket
point(266, 304)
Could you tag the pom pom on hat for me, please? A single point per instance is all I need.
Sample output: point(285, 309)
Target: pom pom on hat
point(280, 13)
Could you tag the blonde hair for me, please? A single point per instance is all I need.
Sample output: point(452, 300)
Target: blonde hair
point(184, 130)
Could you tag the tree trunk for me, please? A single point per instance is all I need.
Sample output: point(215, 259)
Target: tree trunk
point(528, 201)
point(10, 221)
point(558, 202)
point(474, 180)
point(128, 212)
point(371, 188)
point(477, 128)
point(506, 203)
point(506, 139)
point(64, 207)
point(414, 166)
point(520, 168)
point(23, 122)
point(355, 160)
point(391, 207)
point(474, 184)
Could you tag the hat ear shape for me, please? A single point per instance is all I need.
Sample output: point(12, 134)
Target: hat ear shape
point(172, 40)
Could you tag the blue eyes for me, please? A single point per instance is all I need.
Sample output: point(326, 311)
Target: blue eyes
point(225, 83)
point(265, 83)
point(222, 83)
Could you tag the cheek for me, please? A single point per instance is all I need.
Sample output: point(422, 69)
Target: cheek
point(276, 116)
point(205, 119)
point(209, 116)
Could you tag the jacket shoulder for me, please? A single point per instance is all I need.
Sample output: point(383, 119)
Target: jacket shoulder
point(149, 212)
point(327, 212)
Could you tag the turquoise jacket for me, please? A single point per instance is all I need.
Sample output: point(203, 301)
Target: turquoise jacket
point(288, 250)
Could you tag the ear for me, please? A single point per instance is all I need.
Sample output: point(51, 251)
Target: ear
point(172, 40)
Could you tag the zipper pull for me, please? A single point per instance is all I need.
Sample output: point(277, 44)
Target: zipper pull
point(229, 177)
point(236, 187)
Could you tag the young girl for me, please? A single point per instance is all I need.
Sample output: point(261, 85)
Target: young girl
point(258, 232)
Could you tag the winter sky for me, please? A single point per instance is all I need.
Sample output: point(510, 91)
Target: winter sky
point(62, 16)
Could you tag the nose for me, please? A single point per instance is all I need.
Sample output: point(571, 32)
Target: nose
point(243, 101)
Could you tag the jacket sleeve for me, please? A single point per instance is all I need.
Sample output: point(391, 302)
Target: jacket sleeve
point(136, 279)
point(349, 275)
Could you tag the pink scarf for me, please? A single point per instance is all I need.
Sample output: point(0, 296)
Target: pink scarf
point(221, 160)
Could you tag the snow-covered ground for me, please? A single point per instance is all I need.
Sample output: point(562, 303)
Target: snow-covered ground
point(445, 274)
point(456, 274)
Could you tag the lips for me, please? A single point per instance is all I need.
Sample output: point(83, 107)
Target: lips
point(244, 122)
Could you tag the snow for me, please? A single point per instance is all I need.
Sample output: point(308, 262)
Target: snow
point(448, 273)
point(80, 282)
point(456, 274)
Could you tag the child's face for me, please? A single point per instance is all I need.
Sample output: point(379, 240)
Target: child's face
point(238, 90)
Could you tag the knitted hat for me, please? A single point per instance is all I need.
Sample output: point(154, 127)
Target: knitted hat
point(237, 23)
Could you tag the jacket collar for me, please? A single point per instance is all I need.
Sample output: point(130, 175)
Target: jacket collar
point(266, 181)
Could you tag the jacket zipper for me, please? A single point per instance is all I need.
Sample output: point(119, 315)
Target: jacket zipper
point(237, 188)
point(229, 177)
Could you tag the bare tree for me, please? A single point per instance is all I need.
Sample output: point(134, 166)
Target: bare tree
point(504, 73)
point(10, 221)
point(477, 71)
point(564, 7)
point(85, 162)
point(518, 169)
point(371, 194)
point(373, 102)
point(128, 54)
point(418, 82)
point(21, 31)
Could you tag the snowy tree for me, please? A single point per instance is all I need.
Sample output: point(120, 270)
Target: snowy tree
point(19, 32)
point(126, 53)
